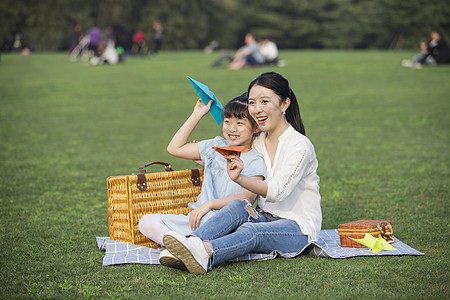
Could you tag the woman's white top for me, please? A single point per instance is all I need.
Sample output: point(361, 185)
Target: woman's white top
point(292, 182)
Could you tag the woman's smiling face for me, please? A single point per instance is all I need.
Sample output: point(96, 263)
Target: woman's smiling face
point(266, 108)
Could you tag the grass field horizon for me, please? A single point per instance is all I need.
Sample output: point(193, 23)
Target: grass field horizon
point(380, 131)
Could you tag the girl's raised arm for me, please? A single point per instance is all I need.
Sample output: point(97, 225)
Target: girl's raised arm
point(179, 146)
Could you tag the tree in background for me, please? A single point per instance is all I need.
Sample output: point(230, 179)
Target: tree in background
point(348, 24)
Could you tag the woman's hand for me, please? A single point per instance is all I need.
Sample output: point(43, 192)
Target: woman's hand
point(234, 166)
point(197, 214)
point(201, 109)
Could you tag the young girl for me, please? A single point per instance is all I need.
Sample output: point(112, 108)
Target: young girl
point(289, 216)
point(217, 188)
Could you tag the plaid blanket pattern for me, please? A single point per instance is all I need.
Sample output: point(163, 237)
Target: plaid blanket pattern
point(117, 253)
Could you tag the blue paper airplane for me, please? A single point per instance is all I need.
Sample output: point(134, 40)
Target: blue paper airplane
point(206, 95)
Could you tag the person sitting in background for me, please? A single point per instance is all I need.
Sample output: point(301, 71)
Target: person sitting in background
point(96, 48)
point(435, 53)
point(95, 38)
point(268, 54)
point(438, 51)
point(139, 43)
point(248, 55)
point(269, 51)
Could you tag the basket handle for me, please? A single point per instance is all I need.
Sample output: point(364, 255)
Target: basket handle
point(168, 167)
point(141, 180)
point(385, 228)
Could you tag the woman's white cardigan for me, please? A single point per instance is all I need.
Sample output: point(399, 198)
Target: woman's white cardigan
point(293, 183)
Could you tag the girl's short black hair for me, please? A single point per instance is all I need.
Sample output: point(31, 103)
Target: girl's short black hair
point(238, 108)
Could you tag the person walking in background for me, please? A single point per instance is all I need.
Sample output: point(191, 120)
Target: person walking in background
point(157, 37)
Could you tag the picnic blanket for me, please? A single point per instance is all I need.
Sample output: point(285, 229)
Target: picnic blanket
point(328, 246)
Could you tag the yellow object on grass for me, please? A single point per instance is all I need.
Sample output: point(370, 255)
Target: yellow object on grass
point(375, 244)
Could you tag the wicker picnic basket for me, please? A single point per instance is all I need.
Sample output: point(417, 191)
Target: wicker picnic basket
point(358, 229)
point(132, 196)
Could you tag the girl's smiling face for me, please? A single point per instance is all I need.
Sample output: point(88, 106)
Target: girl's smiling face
point(238, 132)
point(266, 108)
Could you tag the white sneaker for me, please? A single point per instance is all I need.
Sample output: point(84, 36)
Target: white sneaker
point(189, 250)
point(407, 63)
point(167, 259)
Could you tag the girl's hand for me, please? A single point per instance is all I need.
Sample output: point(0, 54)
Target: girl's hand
point(234, 166)
point(201, 109)
point(197, 214)
point(199, 162)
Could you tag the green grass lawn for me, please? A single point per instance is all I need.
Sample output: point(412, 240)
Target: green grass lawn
point(381, 134)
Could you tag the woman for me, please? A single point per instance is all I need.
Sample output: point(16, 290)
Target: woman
point(289, 215)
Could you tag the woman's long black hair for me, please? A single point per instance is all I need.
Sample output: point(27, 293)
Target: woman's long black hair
point(280, 86)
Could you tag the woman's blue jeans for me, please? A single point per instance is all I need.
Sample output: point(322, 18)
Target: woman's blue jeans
point(237, 229)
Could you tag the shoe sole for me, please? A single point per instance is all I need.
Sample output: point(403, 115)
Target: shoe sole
point(172, 262)
point(180, 251)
